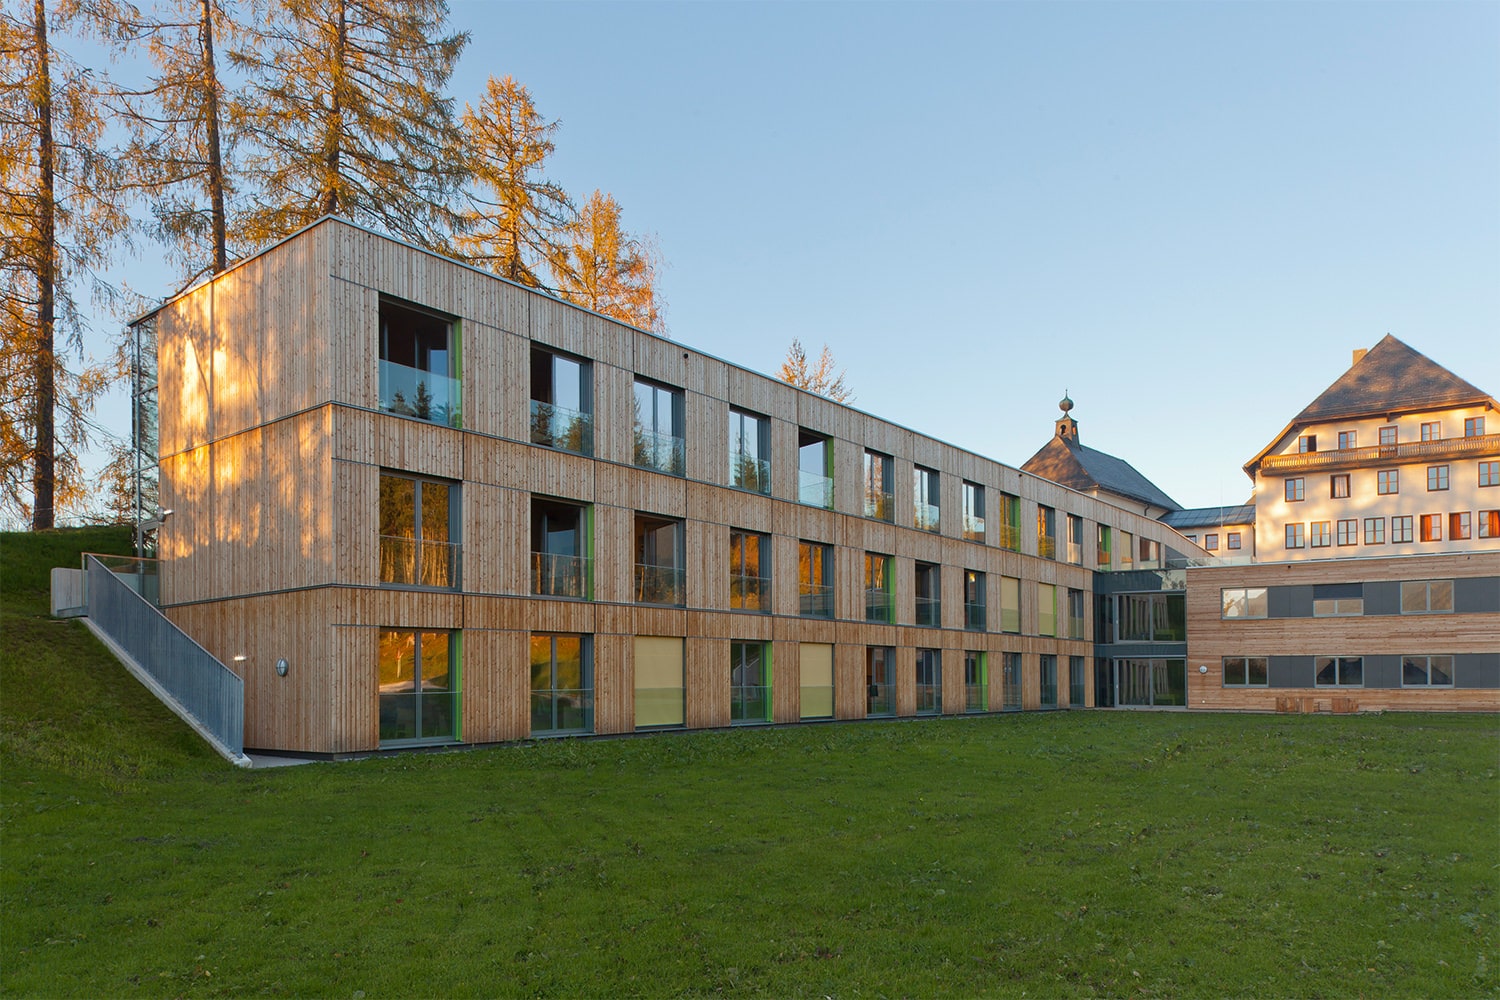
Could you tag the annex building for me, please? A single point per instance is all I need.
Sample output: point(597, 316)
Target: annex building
point(416, 504)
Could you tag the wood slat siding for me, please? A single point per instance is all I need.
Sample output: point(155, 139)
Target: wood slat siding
point(706, 683)
point(786, 682)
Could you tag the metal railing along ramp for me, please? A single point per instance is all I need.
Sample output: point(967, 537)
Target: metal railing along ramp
point(186, 677)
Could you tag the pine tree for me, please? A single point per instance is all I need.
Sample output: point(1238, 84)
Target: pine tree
point(820, 377)
point(345, 110)
point(59, 215)
point(516, 218)
point(604, 269)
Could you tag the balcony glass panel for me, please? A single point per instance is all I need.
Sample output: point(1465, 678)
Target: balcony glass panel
point(974, 617)
point(749, 473)
point(814, 490)
point(925, 517)
point(815, 601)
point(413, 392)
point(662, 452)
point(929, 611)
point(418, 562)
point(659, 584)
point(554, 575)
point(877, 606)
point(561, 428)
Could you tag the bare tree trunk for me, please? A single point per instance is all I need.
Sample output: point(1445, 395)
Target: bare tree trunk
point(215, 157)
point(44, 458)
point(333, 139)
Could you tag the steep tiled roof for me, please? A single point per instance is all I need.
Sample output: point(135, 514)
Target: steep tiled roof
point(1207, 517)
point(1078, 467)
point(1391, 377)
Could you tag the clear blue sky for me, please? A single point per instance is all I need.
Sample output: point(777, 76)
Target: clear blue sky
point(1187, 215)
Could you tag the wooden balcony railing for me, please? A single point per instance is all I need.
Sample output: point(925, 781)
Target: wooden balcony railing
point(1407, 451)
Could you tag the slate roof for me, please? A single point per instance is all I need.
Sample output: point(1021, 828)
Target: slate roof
point(1208, 517)
point(1081, 468)
point(1391, 377)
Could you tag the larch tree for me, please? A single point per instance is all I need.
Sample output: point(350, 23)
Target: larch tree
point(59, 216)
point(516, 216)
point(601, 267)
point(823, 377)
point(345, 112)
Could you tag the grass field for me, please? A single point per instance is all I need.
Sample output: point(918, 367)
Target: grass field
point(1060, 854)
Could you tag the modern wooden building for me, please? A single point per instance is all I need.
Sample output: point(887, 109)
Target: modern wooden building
point(416, 504)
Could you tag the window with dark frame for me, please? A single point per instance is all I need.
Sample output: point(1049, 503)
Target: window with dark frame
point(1473, 427)
point(1296, 535)
point(1427, 671)
point(1489, 473)
point(749, 571)
point(1432, 527)
point(419, 527)
point(1233, 541)
point(1437, 478)
point(1489, 524)
point(1347, 440)
point(1338, 671)
point(1419, 597)
point(1459, 525)
point(1374, 531)
point(1245, 671)
point(879, 475)
point(1388, 482)
point(1432, 431)
point(1338, 486)
point(1295, 489)
point(1319, 535)
point(1307, 443)
point(1401, 528)
point(1388, 436)
point(419, 364)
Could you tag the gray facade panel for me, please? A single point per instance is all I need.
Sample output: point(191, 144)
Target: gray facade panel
point(1476, 670)
point(1476, 595)
point(1382, 671)
point(1289, 602)
point(1290, 671)
point(1383, 597)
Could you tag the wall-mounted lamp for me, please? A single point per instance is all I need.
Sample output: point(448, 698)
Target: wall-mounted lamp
point(241, 658)
point(282, 667)
point(1202, 668)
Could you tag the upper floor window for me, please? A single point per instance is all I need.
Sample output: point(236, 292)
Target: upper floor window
point(1046, 609)
point(562, 402)
point(1432, 431)
point(1046, 532)
point(974, 600)
point(418, 531)
point(1347, 531)
point(926, 499)
point(560, 549)
point(1243, 602)
point(1338, 486)
point(749, 571)
point(659, 442)
point(1388, 482)
point(929, 681)
point(1321, 534)
point(1422, 596)
point(1151, 618)
point(1126, 550)
point(1388, 436)
point(419, 364)
point(1295, 489)
point(1489, 524)
point(1075, 539)
point(749, 451)
point(1010, 604)
point(814, 469)
point(1104, 551)
point(815, 579)
point(1075, 613)
point(1010, 522)
point(1296, 535)
point(973, 512)
point(1489, 473)
point(1473, 427)
point(1233, 541)
point(1211, 542)
point(1307, 442)
point(1338, 600)
point(879, 476)
point(878, 588)
point(1458, 525)
point(929, 581)
point(659, 560)
point(1401, 528)
point(1346, 439)
point(1148, 555)
point(1437, 478)
point(1374, 531)
point(1432, 527)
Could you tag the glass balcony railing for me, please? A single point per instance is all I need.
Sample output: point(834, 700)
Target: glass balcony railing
point(929, 611)
point(747, 472)
point(976, 698)
point(1075, 553)
point(426, 395)
point(417, 562)
point(554, 575)
point(814, 490)
point(750, 593)
point(662, 452)
point(925, 516)
point(1075, 628)
point(815, 601)
point(880, 701)
point(929, 699)
point(973, 529)
point(659, 584)
point(749, 704)
point(562, 711)
point(879, 504)
point(974, 617)
point(1046, 546)
point(561, 428)
point(877, 606)
point(1010, 537)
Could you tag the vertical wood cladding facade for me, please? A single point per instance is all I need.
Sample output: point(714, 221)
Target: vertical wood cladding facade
point(274, 444)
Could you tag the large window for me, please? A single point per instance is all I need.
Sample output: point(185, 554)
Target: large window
point(814, 469)
point(1126, 550)
point(560, 549)
point(1010, 604)
point(418, 680)
point(749, 571)
point(562, 402)
point(419, 364)
point(815, 579)
point(1010, 681)
point(1339, 671)
point(1427, 671)
point(878, 588)
point(817, 680)
point(562, 684)
point(1010, 522)
point(1048, 669)
point(1077, 682)
point(749, 682)
point(926, 499)
point(1075, 539)
point(929, 580)
point(1243, 602)
point(418, 531)
point(1046, 532)
point(1046, 609)
point(880, 678)
point(1103, 556)
point(1153, 682)
point(974, 601)
point(976, 681)
point(659, 441)
point(1151, 618)
point(973, 512)
point(749, 451)
point(1338, 600)
point(1245, 671)
point(1075, 614)
point(658, 682)
point(659, 562)
point(1426, 596)
point(879, 473)
point(929, 681)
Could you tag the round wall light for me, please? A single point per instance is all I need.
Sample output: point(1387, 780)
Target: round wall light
point(1202, 668)
point(282, 667)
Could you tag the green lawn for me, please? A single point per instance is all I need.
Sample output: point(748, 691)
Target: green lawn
point(1073, 854)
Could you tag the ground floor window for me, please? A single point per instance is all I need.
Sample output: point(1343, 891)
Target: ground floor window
point(880, 689)
point(562, 684)
point(749, 682)
point(418, 680)
point(1245, 671)
point(1427, 671)
point(1010, 681)
point(658, 682)
point(1077, 685)
point(929, 681)
point(1104, 689)
point(1339, 671)
point(1157, 682)
point(817, 680)
point(1048, 664)
point(976, 682)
